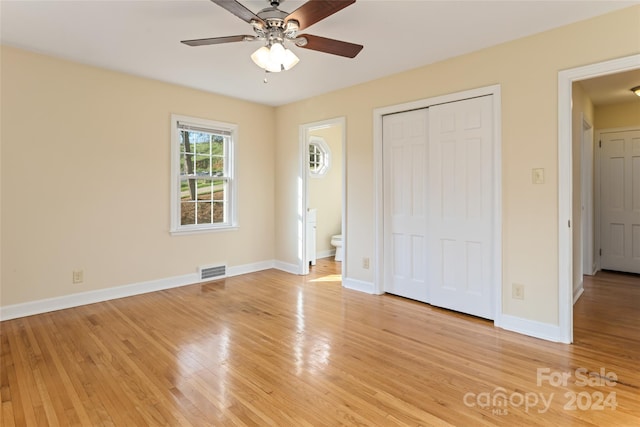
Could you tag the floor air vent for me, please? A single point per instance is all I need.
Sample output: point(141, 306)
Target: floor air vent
point(213, 272)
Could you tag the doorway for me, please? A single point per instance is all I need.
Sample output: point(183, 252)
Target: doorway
point(322, 192)
point(565, 187)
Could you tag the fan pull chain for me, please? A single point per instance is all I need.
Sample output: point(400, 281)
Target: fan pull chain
point(265, 81)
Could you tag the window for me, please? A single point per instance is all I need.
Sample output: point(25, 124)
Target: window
point(203, 187)
point(319, 156)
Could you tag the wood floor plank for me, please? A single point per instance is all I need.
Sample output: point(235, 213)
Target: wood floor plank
point(21, 382)
point(271, 348)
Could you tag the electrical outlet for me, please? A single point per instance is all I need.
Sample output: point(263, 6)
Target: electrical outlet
point(517, 291)
point(78, 277)
point(365, 263)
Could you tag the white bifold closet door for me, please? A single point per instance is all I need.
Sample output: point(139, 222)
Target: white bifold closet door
point(438, 198)
point(461, 206)
point(405, 204)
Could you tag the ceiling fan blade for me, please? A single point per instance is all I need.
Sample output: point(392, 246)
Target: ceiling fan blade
point(238, 9)
point(334, 47)
point(217, 40)
point(316, 10)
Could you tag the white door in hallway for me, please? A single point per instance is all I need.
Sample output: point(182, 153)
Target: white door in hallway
point(620, 201)
point(405, 204)
point(461, 206)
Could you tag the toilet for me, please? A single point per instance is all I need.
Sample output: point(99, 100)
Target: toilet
point(337, 242)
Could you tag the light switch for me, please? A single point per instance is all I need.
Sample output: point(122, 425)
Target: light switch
point(537, 176)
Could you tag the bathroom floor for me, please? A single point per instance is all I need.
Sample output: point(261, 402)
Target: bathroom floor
point(325, 267)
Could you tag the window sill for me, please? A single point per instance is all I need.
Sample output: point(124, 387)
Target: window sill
point(184, 231)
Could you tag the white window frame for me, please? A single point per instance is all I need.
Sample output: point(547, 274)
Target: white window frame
point(322, 146)
point(230, 175)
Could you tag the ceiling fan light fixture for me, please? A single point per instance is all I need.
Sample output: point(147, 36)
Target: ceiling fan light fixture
point(276, 55)
point(636, 90)
point(275, 58)
point(290, 60)
point(261, 57)
point(277, 52)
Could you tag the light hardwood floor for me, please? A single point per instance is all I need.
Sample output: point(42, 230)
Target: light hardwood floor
point(270, 348)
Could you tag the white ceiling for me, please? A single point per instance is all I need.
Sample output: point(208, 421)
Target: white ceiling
point(613, 88)
point(142, 37)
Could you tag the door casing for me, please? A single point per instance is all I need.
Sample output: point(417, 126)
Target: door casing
point(565, 184)
point(303, 189)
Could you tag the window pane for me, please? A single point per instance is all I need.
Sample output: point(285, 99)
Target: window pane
point(219, 190)
point(188, 189)
point(186, 153)
point(218, 212)
point(203, 164)
point(217, 146)
point(184, 190)
point(204, 189)
point(204, 212)
point(318, 157)
point(187, 212)
point(185, 142)
point(202, 142)
point(217, 166)
point(183, 164)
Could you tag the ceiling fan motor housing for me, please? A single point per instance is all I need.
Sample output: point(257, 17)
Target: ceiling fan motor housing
point(276, 29)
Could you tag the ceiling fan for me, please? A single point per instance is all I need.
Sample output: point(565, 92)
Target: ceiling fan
point(274, 26)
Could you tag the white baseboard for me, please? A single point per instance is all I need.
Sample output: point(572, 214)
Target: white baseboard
point(286, 267)
point(511, 323)
point(326, 254)
point(293, 268)
point(532, 328)
point(577, 293)
point(359, 285)
point(83, 298)
point(74, 300)
point(249, 268)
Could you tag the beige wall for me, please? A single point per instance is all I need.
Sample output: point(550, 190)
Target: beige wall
point(621, 115)
point(325, 192)
point(85, 166)
point(527, 71)
point(85, 179)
